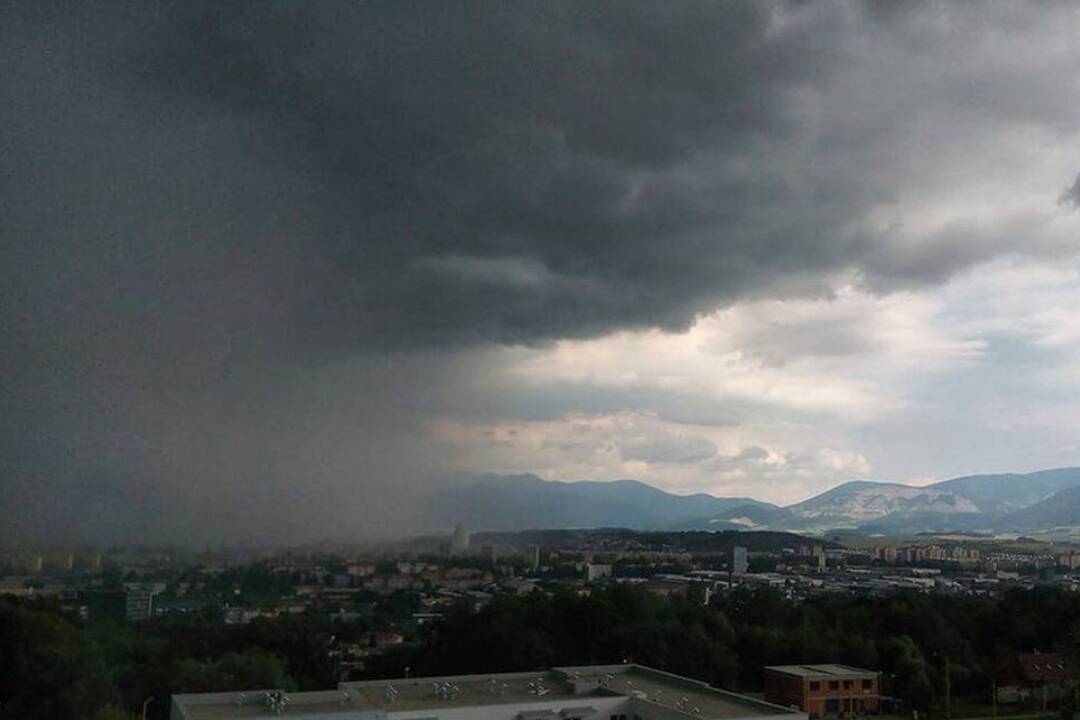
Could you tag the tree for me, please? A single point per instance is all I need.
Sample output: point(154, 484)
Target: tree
point(50, 670)
point(114, 712)
point(249, 669)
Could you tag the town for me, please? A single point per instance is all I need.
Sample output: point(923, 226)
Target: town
point(376, 611)
point(428, 575)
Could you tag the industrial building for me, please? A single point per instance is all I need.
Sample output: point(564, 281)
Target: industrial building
point(602, 692)
point(823, 690)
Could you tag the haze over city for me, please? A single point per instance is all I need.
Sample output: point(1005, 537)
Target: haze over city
point(274, 272)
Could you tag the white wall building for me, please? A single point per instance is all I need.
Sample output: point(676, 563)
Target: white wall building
point(603, 692)
point(597, 571)
point(459, 541)
point(740, 561)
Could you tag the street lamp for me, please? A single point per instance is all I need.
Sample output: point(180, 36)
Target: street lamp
point(144, 705)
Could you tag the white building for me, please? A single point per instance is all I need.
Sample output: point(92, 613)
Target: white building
point(459, 541)
point(740, 562)
point(571, 693)
point(596, 571)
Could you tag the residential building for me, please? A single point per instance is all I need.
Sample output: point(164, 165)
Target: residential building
point(823, 690)
point(740, 562)
point(596, 571)
point(571, 693)
point(139, 600)
point(1038, 677)
point(459, 541)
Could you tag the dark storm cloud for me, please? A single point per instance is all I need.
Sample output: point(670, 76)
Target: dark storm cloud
point(448, 149)
point(431, 174)
point(242, 246)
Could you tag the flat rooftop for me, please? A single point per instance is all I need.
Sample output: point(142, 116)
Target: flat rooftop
point(570, 687)
point(696, 698)
point(822, 670)
point(465, 691)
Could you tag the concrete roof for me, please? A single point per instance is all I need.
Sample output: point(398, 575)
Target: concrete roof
point(572, 686)
point(675, 691)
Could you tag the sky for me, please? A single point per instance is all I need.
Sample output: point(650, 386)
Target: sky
point(272, 270)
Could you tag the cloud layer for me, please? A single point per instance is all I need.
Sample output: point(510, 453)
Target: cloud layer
point(265, 265)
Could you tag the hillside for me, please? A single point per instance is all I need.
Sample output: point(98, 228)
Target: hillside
point(1061, 509)
point(859, 503)
point(1000, 502)
point(510, 502)
point(1009, 492)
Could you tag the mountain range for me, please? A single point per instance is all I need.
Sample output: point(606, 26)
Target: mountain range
point(1004, 503)
point(512, 502)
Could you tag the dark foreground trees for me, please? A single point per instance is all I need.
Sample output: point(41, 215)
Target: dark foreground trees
point(56, 666)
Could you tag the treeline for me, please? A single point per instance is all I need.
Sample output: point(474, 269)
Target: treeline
point(53, 665)
point(912, 638)
point(57, 666)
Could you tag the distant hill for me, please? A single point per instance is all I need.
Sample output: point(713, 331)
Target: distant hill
point(976, 502)
point(860, 503)
point(1062, 509)
point(1003, 502)
point(512, 502)
point(1009, 492)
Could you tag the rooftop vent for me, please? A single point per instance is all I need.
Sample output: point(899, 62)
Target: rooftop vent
point(276, 701)
point(537, 688)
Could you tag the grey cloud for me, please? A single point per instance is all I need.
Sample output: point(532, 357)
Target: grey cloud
point(414, 138)
point(661, 447)
point(445, 176)
point(779, 340)
point(748, 457)
point(479, 399)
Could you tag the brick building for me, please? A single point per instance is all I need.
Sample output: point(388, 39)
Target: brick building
point(823, 690)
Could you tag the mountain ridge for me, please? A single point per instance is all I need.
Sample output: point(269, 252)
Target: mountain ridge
point(990, 502)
